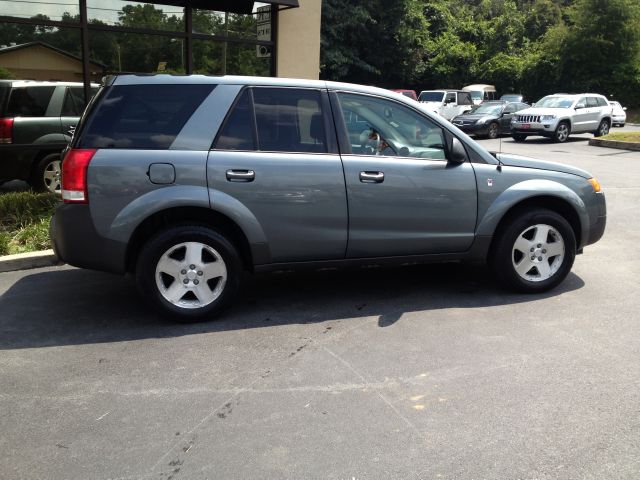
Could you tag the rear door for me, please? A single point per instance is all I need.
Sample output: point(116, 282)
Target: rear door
point(276, 155)
point(405, 198)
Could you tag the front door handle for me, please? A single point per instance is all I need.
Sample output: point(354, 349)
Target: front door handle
point(241, 175)
point(371, 177)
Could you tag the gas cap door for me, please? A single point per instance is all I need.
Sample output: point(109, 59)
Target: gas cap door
point(162, 173)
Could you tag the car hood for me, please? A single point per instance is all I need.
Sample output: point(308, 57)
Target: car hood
point(545, 111)
point(528, 162)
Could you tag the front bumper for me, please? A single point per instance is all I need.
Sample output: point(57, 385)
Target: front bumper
point(534, 128)
point(474, 128)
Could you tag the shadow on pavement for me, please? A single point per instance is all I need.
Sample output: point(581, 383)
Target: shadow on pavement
point(74, 307)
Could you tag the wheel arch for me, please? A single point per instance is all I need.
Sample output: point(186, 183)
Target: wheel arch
point(188, 215)
point(556, 204)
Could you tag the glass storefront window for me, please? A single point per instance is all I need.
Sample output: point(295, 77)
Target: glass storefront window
point(136, 15)
point(56, 10)
point(211, 57)
point(137, 53)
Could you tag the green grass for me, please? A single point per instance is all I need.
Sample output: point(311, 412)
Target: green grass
point(633, 137)
point(24, 221)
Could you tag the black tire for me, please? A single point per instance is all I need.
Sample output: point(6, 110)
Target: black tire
point(504, 255)
point(209, 243)
point(46, 174)
point(494, 130)
point(518, 137)
point(603, 129)
point(563, 130)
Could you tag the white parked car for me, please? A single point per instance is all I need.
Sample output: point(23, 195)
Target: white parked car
point(446, 103)
point(618, 115)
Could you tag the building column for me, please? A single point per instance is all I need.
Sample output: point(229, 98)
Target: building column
point(298, 41)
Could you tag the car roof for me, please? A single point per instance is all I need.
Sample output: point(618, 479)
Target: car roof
point(40, 83)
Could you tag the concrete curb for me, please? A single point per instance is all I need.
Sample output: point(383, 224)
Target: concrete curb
point(598, 142)
point(25, 261)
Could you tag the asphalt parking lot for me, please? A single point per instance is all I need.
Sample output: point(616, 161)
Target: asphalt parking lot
point(383, 373)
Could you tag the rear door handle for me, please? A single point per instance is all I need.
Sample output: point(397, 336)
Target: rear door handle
point(371, 177)
point(241, 175)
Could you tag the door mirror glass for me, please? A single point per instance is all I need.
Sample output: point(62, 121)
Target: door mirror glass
point(458, 153)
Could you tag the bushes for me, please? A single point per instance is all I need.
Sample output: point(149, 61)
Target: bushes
point(24, 221)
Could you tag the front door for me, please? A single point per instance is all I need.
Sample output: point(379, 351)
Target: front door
point(404, 197)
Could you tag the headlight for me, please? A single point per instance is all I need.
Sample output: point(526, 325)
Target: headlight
point(482, 120)
point(545, 118)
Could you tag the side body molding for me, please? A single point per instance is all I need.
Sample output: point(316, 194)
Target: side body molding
point(525, 190)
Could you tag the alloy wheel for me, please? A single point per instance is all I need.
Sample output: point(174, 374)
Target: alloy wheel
point(538, 252)
point(51, 176)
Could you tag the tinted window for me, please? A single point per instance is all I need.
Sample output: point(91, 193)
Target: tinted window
point(450, 98)
point(29, 101)
point(464, 98)
point(431, 96)
point(391, 129)
point(602, 102)
point(74, 103)
point(289, 120)
point(237, 132)
point(592, 102)
point(4, 93)
point(142, 116)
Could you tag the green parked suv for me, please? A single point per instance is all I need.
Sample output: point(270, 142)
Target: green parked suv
point(186, 181)
point(37, 120)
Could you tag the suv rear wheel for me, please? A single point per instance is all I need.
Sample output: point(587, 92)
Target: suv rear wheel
point(603, 129)
point(189, 273)
point(47, 174)
point(562, 132)
point(535, 252)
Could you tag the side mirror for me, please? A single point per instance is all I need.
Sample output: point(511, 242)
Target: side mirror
point(579, 106)
point(458, 153)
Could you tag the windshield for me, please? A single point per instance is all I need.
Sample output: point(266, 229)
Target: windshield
point(431, 96)
point(488, 109)
point(555, 102)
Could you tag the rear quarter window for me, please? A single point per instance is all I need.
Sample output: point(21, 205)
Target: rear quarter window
point(147, 117)
point(29, 101)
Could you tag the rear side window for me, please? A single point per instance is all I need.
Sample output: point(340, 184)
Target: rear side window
point(74, 103)
point(289, 120)
point(237, 133)
point(602, 102)
point(147, 117)
point(464, 98)
point(29, 101)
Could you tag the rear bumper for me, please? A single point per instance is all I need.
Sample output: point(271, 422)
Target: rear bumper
point(76, 241)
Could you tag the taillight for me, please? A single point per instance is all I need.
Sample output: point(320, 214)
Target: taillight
point(6, 130)
point(74, 175)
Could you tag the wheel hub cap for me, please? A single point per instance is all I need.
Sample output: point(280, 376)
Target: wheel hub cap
point(191, 275)
point(538, 253)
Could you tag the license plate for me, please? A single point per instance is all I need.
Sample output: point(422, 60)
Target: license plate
point(526, 125)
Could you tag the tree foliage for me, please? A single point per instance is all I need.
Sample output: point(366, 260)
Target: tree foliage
point(531, 46)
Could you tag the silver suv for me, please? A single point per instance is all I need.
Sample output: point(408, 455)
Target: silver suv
point(557, 116)
point(187, 181)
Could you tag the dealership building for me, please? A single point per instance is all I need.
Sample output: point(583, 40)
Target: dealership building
point(83, 40)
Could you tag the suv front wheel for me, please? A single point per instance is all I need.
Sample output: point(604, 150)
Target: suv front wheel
point(189, 273)
point(535, 252)
point(562, 132)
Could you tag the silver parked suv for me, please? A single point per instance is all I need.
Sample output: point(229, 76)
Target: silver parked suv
point(557, 116)
point(186, 181)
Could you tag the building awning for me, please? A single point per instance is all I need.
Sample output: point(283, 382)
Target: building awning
point(231, 6)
